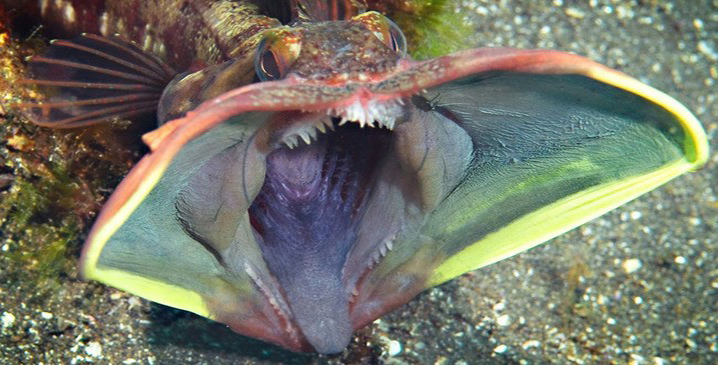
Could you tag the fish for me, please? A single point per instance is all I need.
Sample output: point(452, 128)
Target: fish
point(307, 176)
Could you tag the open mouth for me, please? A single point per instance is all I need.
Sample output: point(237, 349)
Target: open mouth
point(307, 216)
point(314, 188)
point(323, 199)
point(314, 195)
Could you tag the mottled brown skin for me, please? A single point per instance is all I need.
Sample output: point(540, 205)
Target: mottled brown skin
point(217, 37)
point(332, 53)
point(183, 33)
point(220, 39)
point(339, 52)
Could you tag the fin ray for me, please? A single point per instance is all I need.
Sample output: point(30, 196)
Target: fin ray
point(92, 79)
point(82, 66)
point(106, 114)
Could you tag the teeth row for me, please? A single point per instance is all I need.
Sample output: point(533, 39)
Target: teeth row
point(373, 123)
point(308, 133)
point(374, 114)
point(386, 246)
point(252, 275)
point(278, 308)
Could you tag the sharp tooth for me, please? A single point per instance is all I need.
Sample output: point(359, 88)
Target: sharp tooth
point(389, 244)
point(306, 138)
point(343, 121)
point(382, 250)
point(292, 141)
point(322, 128)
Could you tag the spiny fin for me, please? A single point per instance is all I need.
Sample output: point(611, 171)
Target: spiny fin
point(94, 79)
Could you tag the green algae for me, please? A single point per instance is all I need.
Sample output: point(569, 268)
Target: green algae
point(38, 235)
point(52, 183)
point(50, 201)
point(432, 27)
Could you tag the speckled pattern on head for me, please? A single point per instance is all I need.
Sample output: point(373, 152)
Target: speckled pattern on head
point(343, 52)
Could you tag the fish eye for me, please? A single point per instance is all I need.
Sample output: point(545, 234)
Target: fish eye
point(385, 30)
point(275, 54)
point(266, 65)
point(397, 38)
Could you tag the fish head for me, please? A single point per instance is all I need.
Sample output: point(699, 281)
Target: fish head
point(359, 50)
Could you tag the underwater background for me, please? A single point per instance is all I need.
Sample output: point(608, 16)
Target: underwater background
point(636, 286)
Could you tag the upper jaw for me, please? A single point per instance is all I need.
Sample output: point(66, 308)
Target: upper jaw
point(371, 112)
point(290, 128)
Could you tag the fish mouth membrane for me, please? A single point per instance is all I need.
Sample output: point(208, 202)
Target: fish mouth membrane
point(314, 192)
point(306, 217)
point(335, 169)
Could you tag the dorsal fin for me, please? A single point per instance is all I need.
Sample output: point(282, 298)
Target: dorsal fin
point(94, 79)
